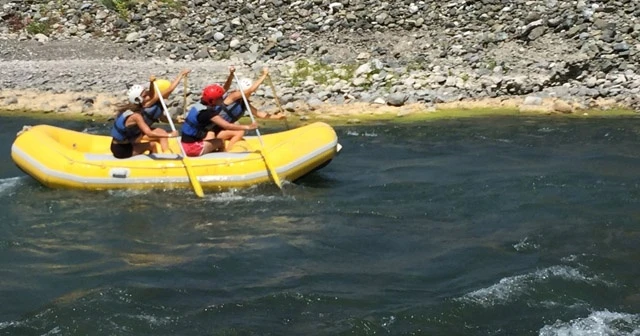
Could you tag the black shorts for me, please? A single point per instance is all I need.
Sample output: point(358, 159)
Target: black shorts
point(122, 151)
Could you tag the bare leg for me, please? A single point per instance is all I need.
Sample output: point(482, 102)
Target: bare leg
point(232, 136)
point(164, 142)
point(141, 147)
point(213, 145)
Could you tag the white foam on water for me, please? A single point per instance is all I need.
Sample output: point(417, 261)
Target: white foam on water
point(8, 185)
point(525, 245)
point(365, 134)
point(511, 288)
point(599, 323)
point(128, 192)
point(575, 306)
point(247, 195)
point(547, 130)
point(153, 320)
point(5, 325)
point(54, 331)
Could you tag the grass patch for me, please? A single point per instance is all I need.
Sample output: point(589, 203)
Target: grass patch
point(321, 73)
point(36, 27)
point(42, 116)
point(389, 116)
point(122, 7)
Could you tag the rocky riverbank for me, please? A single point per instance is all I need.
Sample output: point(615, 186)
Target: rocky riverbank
point(543, 55)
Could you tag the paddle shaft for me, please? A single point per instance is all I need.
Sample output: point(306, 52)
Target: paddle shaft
point(185, 86)
point(195, 184)
point(275, 95)
point(276, 179)
point(246, 104)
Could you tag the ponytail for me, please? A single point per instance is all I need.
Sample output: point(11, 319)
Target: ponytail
point(136, 108)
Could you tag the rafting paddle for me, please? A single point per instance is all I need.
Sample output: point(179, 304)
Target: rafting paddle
point(185, 87)
point(270, 168)
point(197, 188)
point(275, 95)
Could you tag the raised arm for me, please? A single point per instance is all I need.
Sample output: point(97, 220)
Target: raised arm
point(235, 95)
point(257, 83)
point(165, 94)
point(227, 83)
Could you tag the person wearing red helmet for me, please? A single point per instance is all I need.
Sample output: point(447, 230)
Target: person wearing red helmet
point(197, 135)
point(231, 108)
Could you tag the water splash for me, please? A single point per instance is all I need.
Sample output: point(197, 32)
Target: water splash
point(511, 288)
point(526, 245)
point(7, 185)
point(126, 193)
point(597, 323)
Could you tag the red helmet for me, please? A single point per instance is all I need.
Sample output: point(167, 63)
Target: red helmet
point(212, 93)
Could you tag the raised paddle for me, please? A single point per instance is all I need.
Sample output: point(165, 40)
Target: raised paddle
point(270, 168)
point(197, 188)
point(184, 95)
point(275, 95)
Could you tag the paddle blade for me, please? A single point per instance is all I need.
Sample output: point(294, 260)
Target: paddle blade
point(272, 170)
point(195, 184)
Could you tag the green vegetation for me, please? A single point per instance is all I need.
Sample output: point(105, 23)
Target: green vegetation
point(320, 73)
point(42, 116)
point(389, 116)
point(122, 7)
point(36, 27)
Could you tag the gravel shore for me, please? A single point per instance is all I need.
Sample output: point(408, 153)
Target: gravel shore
point(546, 55)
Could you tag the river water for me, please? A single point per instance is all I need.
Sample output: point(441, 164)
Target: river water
point(497, 226)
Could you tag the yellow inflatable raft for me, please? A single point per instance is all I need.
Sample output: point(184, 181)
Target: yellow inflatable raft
point(61, 158)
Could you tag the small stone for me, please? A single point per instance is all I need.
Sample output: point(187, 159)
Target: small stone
point(397, 99)
point(532, 100)
point(562, 106)
point(132, 37)
point(11, 101)
point(41, 38)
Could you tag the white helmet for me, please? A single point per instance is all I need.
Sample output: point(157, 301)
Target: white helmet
point(135, 94)
point(245, 83)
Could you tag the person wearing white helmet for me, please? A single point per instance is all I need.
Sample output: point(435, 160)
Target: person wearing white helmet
point(132, 133)
point(233, 108)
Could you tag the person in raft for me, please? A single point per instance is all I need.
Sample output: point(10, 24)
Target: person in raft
point(134, 119)
point(197, 135)
point(233, 107)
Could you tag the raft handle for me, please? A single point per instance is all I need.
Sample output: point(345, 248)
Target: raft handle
point(119, 172)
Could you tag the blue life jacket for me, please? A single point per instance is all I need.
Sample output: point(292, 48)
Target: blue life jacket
point(232, 112)
point(120, 132)
point(152, 114)
point(194, 128)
